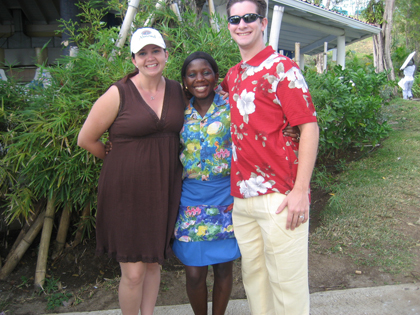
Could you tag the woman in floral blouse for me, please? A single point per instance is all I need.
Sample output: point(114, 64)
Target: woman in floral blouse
point(203, 231)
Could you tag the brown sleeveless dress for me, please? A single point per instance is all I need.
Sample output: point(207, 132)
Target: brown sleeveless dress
point(140, 182)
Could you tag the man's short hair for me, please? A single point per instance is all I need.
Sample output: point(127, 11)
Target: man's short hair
point(261, 6)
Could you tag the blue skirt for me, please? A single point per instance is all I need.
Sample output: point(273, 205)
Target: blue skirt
point(204, 230)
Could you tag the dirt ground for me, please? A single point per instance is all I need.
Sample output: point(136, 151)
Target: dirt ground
point(93, 281)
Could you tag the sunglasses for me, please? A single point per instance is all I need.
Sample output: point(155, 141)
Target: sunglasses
point(248, 18)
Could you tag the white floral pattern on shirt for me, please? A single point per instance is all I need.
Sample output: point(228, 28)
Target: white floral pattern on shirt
point(246, 104)
point(253, 186)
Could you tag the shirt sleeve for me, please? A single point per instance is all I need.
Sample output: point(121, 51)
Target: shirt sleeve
point(224, 84)
point(293, 94)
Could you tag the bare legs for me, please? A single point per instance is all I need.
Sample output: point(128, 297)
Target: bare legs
point(139, 287)
point(222, 287)
point(197, 288)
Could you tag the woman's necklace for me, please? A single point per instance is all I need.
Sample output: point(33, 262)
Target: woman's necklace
point(152, 97)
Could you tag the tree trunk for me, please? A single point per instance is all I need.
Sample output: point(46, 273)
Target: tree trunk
point(379, 52)
point(20, 250)
point(63, 228)
point(25, 228)
point(79, 232)
point(320, 63)
point(387, 29)
point(382, 42)
point(41, 265)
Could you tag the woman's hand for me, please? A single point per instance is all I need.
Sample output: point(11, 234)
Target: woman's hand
point(108, 147)
point(292, 132)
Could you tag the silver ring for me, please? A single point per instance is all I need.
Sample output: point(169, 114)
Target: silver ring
point(302, 217)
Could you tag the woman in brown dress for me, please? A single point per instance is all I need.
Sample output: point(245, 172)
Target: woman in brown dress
point(140, 182)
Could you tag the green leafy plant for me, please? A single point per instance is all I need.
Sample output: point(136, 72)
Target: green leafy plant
point(50, 285)
point(56, 299)
point(24, 283)
point(349, 106)
point(416, 86)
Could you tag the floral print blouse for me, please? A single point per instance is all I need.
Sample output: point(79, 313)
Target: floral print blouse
point(206, 141)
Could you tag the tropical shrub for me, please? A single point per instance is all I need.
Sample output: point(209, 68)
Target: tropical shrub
point(416, 85)
point(348, 104)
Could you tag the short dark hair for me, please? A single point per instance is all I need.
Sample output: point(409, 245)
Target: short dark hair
point(261, 6)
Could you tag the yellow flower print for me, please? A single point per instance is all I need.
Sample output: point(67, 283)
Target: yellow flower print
point(229, 228)
point(202, 230)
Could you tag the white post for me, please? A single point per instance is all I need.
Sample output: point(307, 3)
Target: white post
point(212, 10)
point(341, 51)
point(297, 53)
point(325, 56)
point(129, 17)
point(275, 26)
point(265, 31)
point(334, 54)
point(175, 9)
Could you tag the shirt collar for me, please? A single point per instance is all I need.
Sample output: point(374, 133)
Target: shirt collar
point(260, 57)
point(217, 101)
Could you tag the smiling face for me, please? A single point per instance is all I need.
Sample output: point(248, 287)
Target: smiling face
point(248, 36)
point(150, 60)
point(200, 79)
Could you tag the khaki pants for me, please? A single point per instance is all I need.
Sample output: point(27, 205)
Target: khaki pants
point(274, 260)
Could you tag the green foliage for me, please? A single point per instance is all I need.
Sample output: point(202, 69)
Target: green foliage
point(374, 12)
point(399, 55)
point(42, 124)
point(406, 23)
point(50, 285)
point(416, 86)
point(56, 300)
point(348, 104)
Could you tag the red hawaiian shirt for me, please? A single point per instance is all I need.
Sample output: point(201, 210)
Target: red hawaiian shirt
point(266, 94)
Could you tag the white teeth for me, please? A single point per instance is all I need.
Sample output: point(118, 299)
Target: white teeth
point(200, 88)
point(150, 66)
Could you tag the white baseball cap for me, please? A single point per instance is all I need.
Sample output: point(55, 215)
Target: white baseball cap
point(146, 36)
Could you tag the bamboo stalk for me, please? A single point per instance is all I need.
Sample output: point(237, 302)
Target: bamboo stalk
point(41, 265)
point(20, 250)
point(25, 229)
point(63, 228)
point(79, 232)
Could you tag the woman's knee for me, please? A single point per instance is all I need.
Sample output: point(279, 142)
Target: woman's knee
point(196, 275)
point(133, 274)
point(223, 270)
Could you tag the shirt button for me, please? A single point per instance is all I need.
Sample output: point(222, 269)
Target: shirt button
point(202, 140)
point(203, 160)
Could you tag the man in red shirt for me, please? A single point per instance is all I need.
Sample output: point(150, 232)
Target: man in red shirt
point(270, 184)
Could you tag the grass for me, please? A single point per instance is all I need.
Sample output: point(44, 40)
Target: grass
point(364, 47)
point(375, 201)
